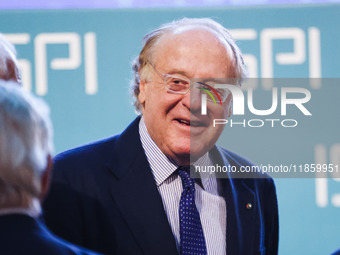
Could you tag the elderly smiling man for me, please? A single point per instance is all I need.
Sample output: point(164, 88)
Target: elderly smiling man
point(133, 194)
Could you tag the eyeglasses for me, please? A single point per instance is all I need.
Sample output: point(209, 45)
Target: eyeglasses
point(181, 85)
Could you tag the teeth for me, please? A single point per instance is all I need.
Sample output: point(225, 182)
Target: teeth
point(185, 122)
point(192, 124)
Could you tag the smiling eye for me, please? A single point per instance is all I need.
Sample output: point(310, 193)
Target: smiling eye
point(177, 84)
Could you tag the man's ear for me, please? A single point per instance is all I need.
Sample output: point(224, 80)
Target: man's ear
point(45, 178)
point(142, 92)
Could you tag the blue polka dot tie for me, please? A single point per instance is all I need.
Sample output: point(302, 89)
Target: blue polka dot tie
point(191, 232)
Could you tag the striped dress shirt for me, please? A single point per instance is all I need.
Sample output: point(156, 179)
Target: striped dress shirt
point(210, 204)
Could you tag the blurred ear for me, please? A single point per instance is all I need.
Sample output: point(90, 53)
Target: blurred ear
point(46, 178)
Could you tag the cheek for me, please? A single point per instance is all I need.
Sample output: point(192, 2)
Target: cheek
point(155, 105)
point(220, 112)
point(152, 99)
point(225, 111)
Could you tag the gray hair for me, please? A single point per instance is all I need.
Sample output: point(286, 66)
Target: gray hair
point(25, 144)
point(150, 41)
point(9, 67)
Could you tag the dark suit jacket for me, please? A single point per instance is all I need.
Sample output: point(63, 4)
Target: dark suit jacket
point(22, 235)
point(104, 197)
point(336, 252)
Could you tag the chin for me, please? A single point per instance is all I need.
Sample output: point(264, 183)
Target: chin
point(183, 151)
point(181, 154)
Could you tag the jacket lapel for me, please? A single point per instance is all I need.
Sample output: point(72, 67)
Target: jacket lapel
point(241, 220)
point(135, 193)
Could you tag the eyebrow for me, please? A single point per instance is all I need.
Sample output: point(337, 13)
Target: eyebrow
point(185, 74)
point(211, 79)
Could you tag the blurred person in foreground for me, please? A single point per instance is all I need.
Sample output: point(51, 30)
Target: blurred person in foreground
point(132, 193)
point(25, 168)
point(9, 68)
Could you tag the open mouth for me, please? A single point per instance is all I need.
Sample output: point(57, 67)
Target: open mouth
point(190, 123)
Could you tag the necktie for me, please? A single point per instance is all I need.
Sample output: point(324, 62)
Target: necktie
point(191, 232)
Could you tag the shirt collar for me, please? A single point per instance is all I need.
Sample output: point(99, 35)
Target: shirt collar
point(161, 166)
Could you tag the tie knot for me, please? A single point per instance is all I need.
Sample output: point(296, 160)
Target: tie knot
point(187, 181)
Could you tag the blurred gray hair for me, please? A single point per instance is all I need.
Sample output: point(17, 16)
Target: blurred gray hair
point(9, 67)
point(25, 144)
point(139, 64)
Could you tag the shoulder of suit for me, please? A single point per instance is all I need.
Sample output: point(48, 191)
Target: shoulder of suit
point(100, 148)
point(96, 147)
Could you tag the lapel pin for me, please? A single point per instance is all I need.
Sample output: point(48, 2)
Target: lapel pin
point(249, 206)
